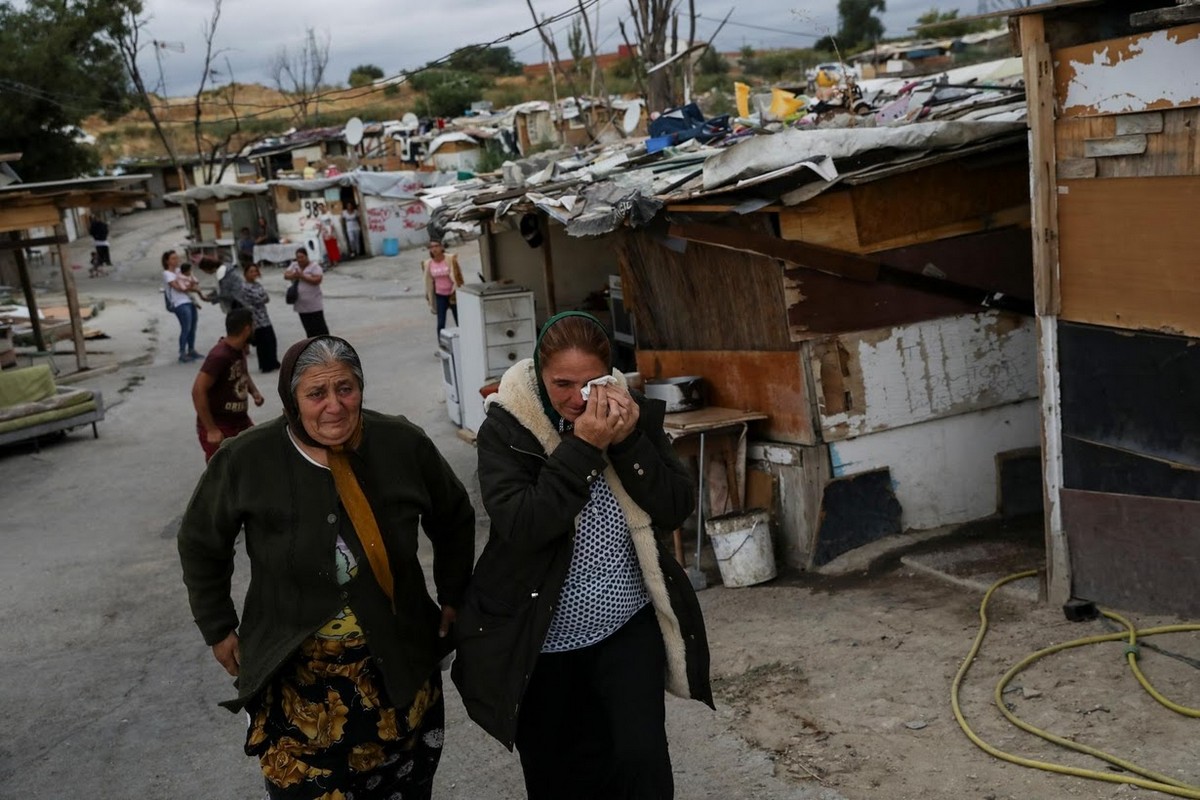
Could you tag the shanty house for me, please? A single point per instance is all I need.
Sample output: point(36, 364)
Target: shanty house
point(868, 288)
point(1114, 99)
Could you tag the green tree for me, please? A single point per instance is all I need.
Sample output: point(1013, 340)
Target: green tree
point(857, 23)
point(59, 68)
point(952, 26)
point(487, 60)
point(712, 63)
point(364, 74)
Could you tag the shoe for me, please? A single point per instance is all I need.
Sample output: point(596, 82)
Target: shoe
point(184, 360)
point(192, 356)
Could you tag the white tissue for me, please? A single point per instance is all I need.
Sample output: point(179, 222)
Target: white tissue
point(606, 380)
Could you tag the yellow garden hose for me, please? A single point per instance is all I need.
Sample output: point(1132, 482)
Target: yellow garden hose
point(1150, 780)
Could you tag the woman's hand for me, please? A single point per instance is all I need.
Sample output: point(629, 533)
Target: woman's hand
point(449, 616)
point(228, 653)
point(597, 425)
point(622, 405)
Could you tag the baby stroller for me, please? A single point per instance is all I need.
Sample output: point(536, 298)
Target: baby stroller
point(96, 270)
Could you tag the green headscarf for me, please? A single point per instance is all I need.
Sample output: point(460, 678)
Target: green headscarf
point(544, 395)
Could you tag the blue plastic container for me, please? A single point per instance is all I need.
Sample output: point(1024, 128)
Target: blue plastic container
point(391, 247)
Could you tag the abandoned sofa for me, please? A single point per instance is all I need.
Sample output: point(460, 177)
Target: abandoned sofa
point(32, 406)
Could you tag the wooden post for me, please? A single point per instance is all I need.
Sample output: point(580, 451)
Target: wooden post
point(548, 266)
point(39, 340)
point(1039, 91)
point(68, 277)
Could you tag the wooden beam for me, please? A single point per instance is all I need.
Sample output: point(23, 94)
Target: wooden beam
point(68, 277)
point(25, 244)
point(844, 265)
point(1039, 83)
point(548, 265)
point(810, 256)
point(1039, 88)
point(22, 218)
point(39, 339)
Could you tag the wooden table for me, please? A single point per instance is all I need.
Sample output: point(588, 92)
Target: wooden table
point(689, 432)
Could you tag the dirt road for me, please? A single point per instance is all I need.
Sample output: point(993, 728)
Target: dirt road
point(827, 688)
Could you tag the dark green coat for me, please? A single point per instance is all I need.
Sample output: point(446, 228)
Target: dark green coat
point(291, 515)
point(534, 484)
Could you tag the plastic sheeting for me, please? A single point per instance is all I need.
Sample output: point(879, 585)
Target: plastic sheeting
point(763, 154)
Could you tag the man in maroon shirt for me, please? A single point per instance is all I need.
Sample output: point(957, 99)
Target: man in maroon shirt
point(223, 385)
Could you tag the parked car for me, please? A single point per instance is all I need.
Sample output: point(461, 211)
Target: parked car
point(836, 70)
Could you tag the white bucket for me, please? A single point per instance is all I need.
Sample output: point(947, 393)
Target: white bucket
point(742, 544)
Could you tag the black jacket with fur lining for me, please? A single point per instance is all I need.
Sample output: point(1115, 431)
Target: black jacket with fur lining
point(534, 483)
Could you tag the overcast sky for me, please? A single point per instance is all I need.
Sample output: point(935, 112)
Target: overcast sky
point(402, 35)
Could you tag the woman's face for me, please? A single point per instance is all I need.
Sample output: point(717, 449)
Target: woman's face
point(252, 274)
point(173, 262)
point(330, 402)
point(565, 374)
point(436, 250)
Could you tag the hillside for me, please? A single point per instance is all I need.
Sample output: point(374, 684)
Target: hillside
point(262, 111)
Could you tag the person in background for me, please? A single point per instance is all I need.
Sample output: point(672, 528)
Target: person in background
point(337, 649)
point(328, 235)
point(577, 618)
point(98, 230)
point(228, 293)
point(442, 278)
point(222, 387)
point(176, 289)
point(263, 233)
point(310, 300)
point(245, 246)
point(255, 297)
point(354, 246)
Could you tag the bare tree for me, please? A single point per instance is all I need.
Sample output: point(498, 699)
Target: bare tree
point(299, 75)
point(651, 20)
point(128, 39)
point(597, 73)
point(556, 65)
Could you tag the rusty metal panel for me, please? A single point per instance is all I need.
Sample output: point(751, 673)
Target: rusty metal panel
point(1142, 72)
point(772, 382)
point(1136, 553)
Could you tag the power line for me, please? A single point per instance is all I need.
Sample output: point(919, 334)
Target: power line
point(763, 28)
point(345, 95)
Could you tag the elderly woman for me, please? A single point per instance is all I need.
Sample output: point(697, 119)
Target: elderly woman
point(577, 618)
point(336, 652)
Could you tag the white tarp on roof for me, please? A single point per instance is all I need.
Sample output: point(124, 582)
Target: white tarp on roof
point(447, 138)
point(217, 191)
point(762, 154)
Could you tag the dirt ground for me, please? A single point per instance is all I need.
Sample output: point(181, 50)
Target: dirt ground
point(847, 681)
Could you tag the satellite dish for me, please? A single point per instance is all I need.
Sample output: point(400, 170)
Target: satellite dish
point(633, 115)
point(410, 120)
point(353, 131)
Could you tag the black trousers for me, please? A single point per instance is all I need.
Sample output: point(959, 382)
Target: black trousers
point(593, 721)
point(314, 323)
point(266, 347)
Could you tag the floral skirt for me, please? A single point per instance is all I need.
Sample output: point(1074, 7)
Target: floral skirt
point(323, 729)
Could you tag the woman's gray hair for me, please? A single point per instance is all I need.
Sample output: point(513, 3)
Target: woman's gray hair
point(327, 351)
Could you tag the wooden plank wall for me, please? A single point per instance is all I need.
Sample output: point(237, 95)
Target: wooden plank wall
point(1128, 252)
point(705, 298)
point(1127, 186)
point(1135, 553)
point(772, 382)
point(935, 202)
point(891, 377)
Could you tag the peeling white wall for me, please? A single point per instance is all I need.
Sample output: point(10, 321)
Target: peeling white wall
point(1154, 70)
point(943, 471)
point(933, 369)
